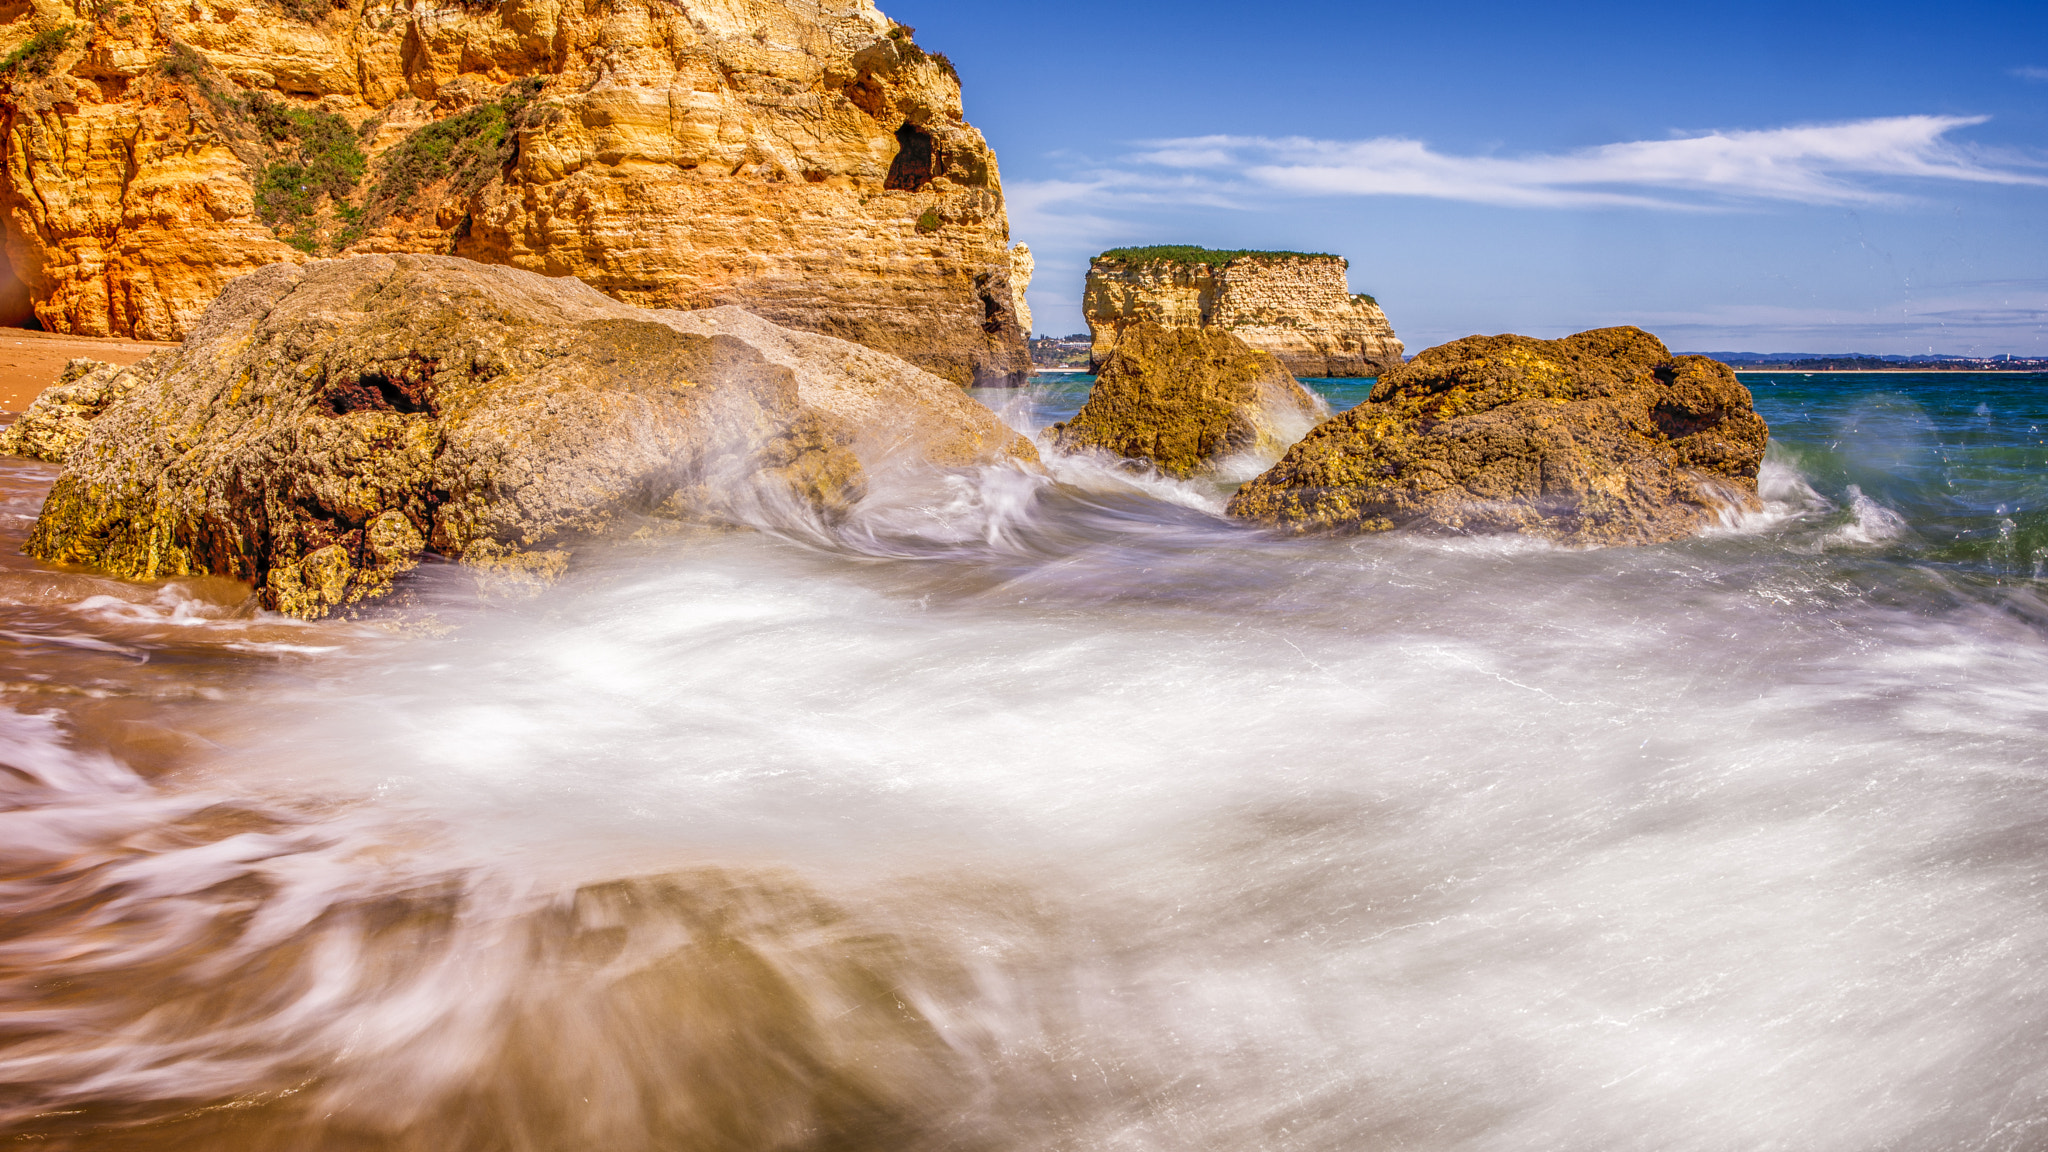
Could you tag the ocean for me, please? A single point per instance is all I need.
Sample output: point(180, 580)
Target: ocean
point(1059, 812)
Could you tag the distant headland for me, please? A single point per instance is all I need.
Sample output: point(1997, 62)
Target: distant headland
point(1868, 362)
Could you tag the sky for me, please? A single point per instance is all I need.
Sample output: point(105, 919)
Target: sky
point(1766, 177)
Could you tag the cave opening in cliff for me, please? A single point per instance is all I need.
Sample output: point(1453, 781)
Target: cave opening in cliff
point(912, 168)
point(16, 311)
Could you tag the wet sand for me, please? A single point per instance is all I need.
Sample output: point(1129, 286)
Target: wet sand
point(31, 361)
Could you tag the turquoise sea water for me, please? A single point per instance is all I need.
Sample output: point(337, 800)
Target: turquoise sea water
point(1961, 457)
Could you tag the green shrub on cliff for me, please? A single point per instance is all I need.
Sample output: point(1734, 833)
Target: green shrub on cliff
point(183, 63)
point(37, 54)
point(1195, 254)
point(458, 146)
point(466, 149)
point(320, 158)
point(902, 33)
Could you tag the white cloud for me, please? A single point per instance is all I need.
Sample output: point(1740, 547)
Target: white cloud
point(2032, 74)
point(1173, 189)
point(1815, 164)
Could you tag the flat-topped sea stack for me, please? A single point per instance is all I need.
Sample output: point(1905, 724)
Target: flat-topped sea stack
point(1600, 438)
point(1296, 305)
point(807, 161)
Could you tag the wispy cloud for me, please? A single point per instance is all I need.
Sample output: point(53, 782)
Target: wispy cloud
point(2031, 74)
point(1174, 188)
point(1814, 164)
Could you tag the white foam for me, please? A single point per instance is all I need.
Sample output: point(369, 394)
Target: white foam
point(1870, 523)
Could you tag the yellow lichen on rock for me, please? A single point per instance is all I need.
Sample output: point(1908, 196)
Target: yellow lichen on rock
point(1185, 400)
point(59, 418)
point(1600, 438)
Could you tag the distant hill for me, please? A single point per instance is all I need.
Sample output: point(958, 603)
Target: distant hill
point(1873, 362)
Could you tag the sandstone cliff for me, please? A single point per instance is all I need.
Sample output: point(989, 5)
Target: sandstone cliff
point(805, 160)
point(1600, 438)
point(328, 426)
point(1295, 305)
point(1022, 265)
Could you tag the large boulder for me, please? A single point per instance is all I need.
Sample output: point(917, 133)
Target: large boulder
point(328, 425)
point(1186, 400)
point(1600, 438)
point(60, 416)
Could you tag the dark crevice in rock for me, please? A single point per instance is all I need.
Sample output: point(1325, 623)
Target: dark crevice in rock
point(913, 167)
point(1677, 422)
point(376, 392)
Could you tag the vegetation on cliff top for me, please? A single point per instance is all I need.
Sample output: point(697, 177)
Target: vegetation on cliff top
point(1214, 257)
point(902, 33)
point(1195, 254)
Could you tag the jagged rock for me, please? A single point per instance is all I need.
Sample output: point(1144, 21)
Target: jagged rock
point(1295, 305)
point(329, 425)
point(1022, 266)
point(1187, 399)
point(808, 162)
point(1600, 438)
point(61, 415)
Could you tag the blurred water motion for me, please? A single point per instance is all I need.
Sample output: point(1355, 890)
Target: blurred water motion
point(1063, 814)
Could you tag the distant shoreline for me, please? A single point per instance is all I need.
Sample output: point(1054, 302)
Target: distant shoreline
point(1890, 371)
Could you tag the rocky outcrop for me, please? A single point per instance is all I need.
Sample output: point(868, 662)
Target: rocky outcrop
point(63, 413)
point(807, 161)
point(1295, 305)
point(1600, 438)
point(1022, 265)
point(330, 425)
point(1186, 400)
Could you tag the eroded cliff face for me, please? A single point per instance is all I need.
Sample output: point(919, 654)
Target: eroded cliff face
point(804, 160)
point(1297, 307)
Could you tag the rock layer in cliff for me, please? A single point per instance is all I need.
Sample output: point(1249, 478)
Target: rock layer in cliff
point(329, 425)
point(808, 162)
point(1186, 400)
point(1296, 305)
point(1600, 438)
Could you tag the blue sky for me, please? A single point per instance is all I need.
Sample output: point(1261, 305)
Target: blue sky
point(1734, 176)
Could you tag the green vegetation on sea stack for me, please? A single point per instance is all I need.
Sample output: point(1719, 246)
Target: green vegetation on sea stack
point(1195, 254)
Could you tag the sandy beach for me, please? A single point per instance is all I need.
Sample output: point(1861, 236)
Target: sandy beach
point(30, 361)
